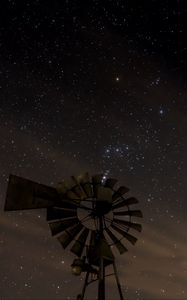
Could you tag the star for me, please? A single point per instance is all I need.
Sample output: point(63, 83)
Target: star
point(161, 111)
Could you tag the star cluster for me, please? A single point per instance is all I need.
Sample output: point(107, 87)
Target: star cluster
point(98, 87)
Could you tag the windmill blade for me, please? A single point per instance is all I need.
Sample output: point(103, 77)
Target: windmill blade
point(62, 188)
point(26, 194)
point(135, 226)
point(110, 182)
point(54, 213)
point(67, 237)
point(125, 202)
point(91, 248)
point(73, 189)
point(78, 189)
point(97, 182)
point(65, 188)
point(104, 251)
point(134, 213)
point(59, 226)
point(93, 238)
point(78, 246)
point(104, 194)
point(97, 179)
point(126, 235)
point(121, 248)
point(72, 195)
point(120, 192)
point(85, 182)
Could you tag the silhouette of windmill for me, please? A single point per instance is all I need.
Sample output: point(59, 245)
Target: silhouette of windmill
point(87, 215)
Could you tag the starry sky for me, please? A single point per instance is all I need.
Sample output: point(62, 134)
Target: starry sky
point(96, 86)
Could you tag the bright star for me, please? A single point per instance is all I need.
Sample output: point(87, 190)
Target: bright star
point(161, 111)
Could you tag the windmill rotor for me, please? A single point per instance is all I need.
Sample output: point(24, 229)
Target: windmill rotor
point(93, 199)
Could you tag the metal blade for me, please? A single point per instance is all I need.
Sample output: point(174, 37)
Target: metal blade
point(97, 182)
point(71, 184)
point(135, 213)
point(104, 194)
point(78, 189)
point(72, 195)
point(128, 236)
point(26, 194)
point(65, 188)
point(62, 188)
point(125, 202)
point(98, 249)
point(120, 192)
point(93, 238)
point(97, 179)
point(66, 238)
point(85, 182)
point(103, 250)
point(78, 246)
point(135, 226)
point(57, 213)
point(121, 248)
point(90, 249)
point(110, 182)
point(58, 226)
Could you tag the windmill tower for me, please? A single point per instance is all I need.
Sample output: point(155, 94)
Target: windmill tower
point(87, 215)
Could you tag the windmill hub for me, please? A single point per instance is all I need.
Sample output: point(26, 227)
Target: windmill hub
point(94, 211)
point(102, 207)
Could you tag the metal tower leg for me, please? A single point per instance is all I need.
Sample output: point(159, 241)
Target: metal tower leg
point(117, 281)
point(101, 284)
point(81, 296)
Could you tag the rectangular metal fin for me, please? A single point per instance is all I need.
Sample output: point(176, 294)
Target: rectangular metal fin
point(78, 246)
point(96, 182)
point(135, 226)
point(26, 194)
point(72, 195)
point(88, 189)
point(93, 238)
point(124, 202)
point(97, 179)
point(121, 248)
point(132, 239)
point(54, 213)
point(110, 182)
point(104, 193)
point(104, 250)
point(120, 192)
point(78, 190)
point(59, 226)
point(135, 213)
point(85, 182)
point(65, 189)
point(67, 237)
point(71, 188)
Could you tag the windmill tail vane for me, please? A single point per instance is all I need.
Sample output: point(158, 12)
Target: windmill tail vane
point(88, 216)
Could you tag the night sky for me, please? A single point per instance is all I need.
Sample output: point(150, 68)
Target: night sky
point(96, 86)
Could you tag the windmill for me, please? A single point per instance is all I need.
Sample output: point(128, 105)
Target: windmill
point(87, 215)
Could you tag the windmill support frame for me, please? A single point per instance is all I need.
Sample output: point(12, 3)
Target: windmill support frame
point(101, 284)
point(101, 275)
